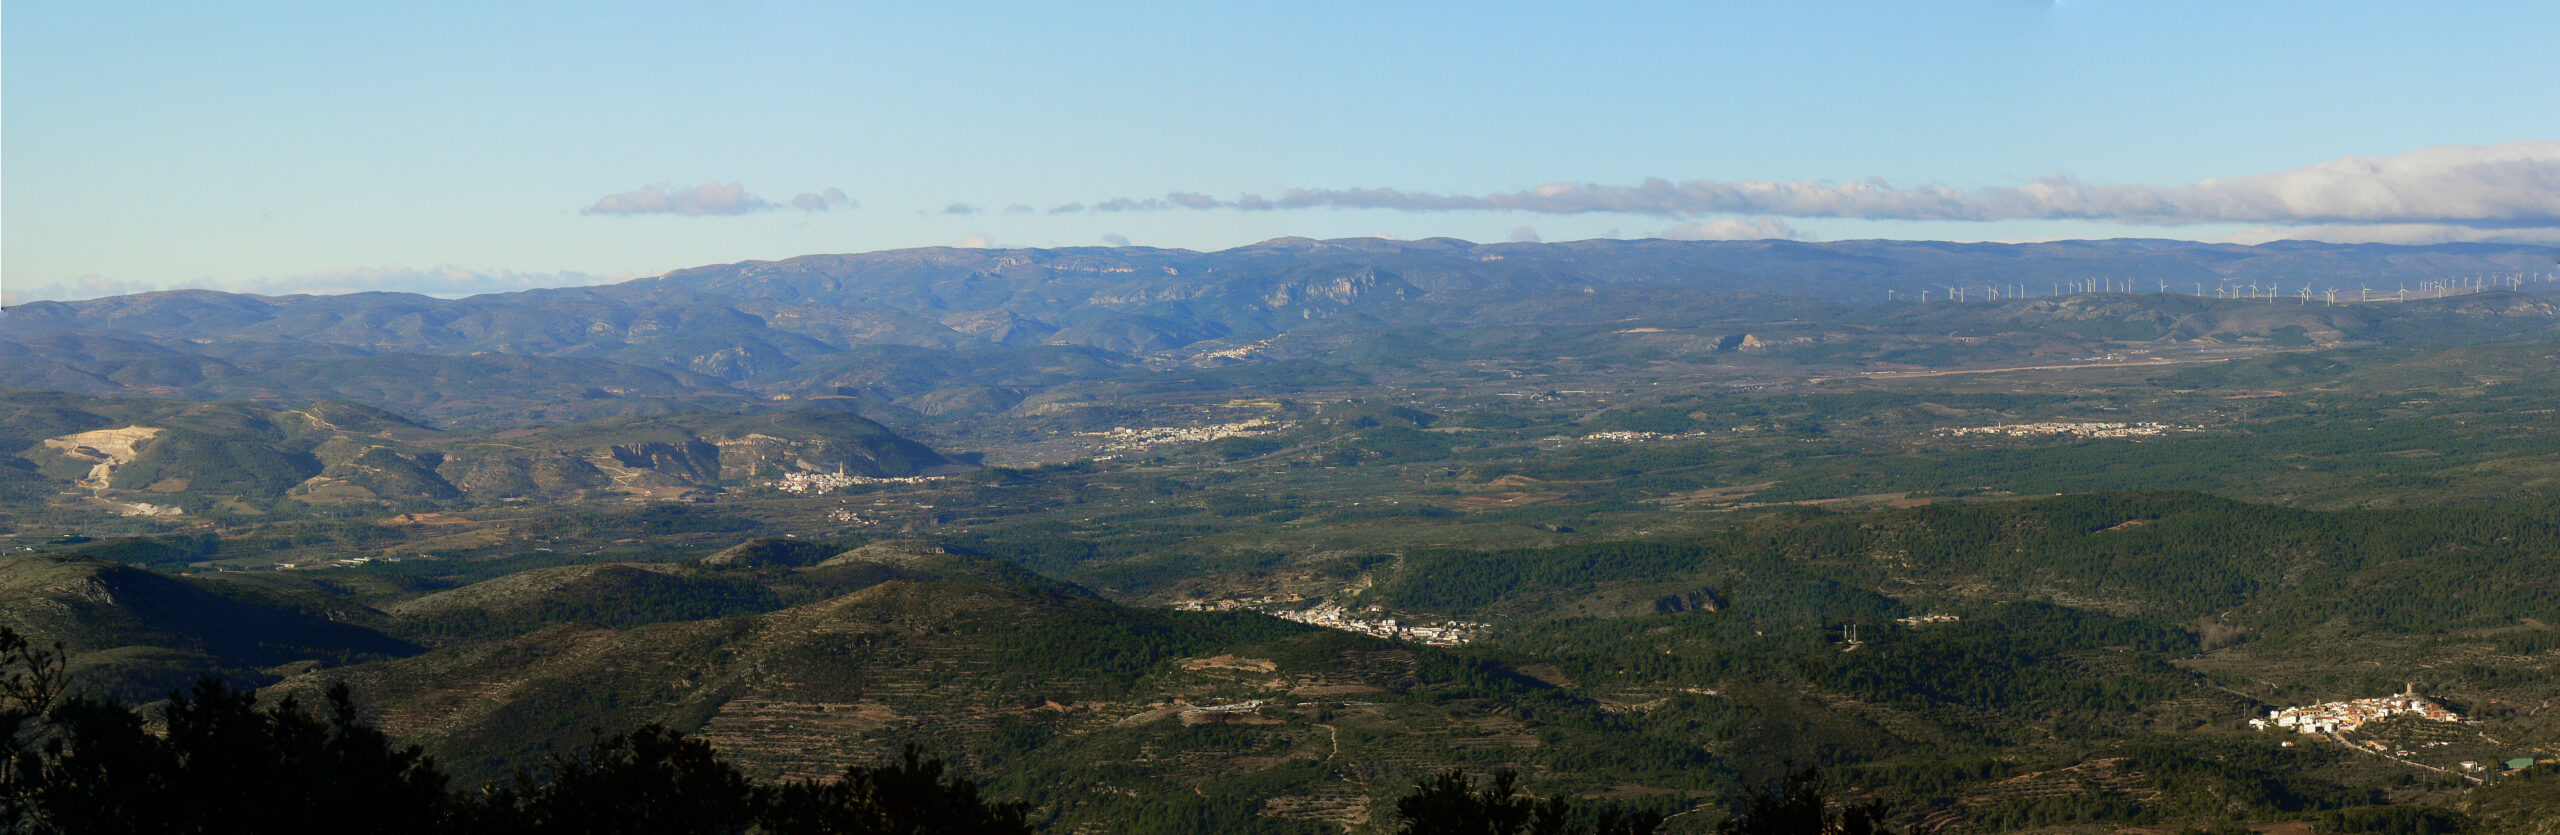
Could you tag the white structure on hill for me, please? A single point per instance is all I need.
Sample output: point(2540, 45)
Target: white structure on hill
point(2345, 717)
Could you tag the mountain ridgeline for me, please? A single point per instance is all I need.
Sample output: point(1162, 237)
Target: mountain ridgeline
point(933, 331)
point(194, 456)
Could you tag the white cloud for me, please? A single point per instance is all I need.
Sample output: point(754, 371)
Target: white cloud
point(2495, 186)
point(709, 199)
point(84, 287)
point(1123, 204)
point(962, 209)
point(1730, 229)
point(2413, 234)
point(706, 199)
point(446, 281)
point(819, 201)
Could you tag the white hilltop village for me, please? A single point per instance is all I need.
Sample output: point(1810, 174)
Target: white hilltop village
point(1331, 615)
point(2347, 716)
point(809, 483)
point(1125, 439)
point(2079, 430)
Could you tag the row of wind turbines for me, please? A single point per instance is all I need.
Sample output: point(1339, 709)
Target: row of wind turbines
point(2427, 288)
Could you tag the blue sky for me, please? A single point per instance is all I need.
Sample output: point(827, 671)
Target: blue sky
point(459, 146)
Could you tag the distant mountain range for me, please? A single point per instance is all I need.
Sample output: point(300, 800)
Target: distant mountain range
point(931, 330)
point(177, 455)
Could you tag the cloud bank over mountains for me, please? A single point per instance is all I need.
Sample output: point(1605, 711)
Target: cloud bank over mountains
point(445, 281)
point(2505, 193)
point(1730, 229)
point(2513, 186)
point(710, 199)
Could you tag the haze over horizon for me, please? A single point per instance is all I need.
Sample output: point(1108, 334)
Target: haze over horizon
point(479, 148)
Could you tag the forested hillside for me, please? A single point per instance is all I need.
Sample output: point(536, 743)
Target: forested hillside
point(1331, 536)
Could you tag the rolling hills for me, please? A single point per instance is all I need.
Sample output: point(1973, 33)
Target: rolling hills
point(1641, 520)
point(201, 457)
point(910, 333)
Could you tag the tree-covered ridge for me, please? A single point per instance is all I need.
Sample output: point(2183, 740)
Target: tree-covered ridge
point(1693, 661)
point(2165, 557)
point(243, 461)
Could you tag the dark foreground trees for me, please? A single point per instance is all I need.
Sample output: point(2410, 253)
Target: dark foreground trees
point(216, 761)
point(220, 763)
point(658, 780)
point(1798, 803)
point(1452, 804)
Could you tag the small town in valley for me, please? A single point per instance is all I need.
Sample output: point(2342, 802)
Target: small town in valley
point(1126, 439)
point(806, 483)
point(2078, 430)
point(2347, 716)
point(1374, 621)
point(1447, 633)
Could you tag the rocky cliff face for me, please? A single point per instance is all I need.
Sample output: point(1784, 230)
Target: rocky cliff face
point(692, 460)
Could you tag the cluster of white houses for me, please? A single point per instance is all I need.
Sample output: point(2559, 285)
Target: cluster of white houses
point(805, 483)
point(1333, 616)
point(1628, 436)
point(2082, 430)
point(1125, 439)
point(2345, 717)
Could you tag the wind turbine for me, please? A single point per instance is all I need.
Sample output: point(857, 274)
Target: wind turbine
point(2362, 292)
